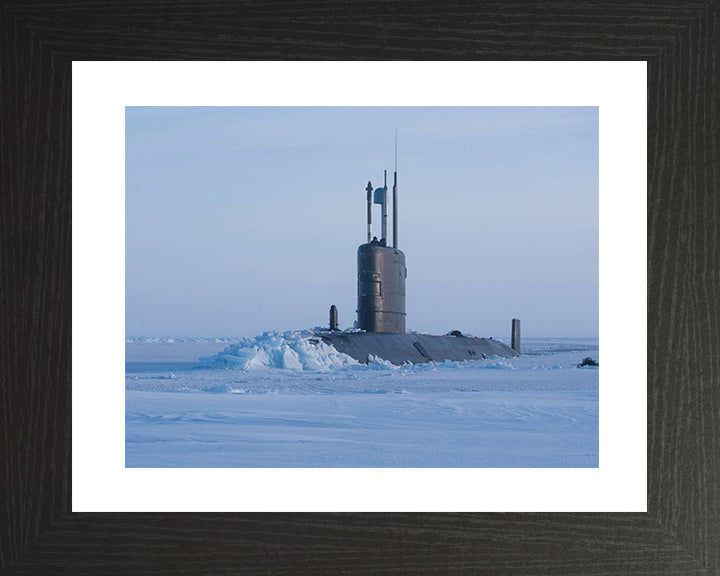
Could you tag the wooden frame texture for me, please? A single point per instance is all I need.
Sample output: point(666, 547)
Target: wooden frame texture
point(680, 533)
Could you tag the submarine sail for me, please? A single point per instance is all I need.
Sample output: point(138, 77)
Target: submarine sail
point(381, 274)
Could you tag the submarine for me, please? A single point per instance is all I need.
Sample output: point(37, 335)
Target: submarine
point(380, 328)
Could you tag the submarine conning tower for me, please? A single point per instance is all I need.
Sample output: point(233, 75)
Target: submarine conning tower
point(381, 270)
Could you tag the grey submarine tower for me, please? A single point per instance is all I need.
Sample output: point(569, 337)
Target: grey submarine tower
point(381, 333)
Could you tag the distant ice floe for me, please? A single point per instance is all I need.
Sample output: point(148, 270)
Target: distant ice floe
point(178, 340)
point(292, 350)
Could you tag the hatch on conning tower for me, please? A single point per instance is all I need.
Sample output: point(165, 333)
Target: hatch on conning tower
point(381, 270)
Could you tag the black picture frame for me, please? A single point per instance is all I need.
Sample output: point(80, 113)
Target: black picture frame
point(680, 533)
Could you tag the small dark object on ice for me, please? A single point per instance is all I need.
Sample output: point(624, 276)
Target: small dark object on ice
point(588, 362)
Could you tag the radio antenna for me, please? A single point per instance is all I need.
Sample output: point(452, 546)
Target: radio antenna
point(396, 148)
point(395, 198)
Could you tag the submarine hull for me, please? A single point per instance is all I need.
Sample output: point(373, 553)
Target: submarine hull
point(415, 348)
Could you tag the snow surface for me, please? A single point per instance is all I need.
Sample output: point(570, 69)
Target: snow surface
point(279, 401)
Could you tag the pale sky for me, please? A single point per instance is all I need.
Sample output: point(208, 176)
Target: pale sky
point(241, 220)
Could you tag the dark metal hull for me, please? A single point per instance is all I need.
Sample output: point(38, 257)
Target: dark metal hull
point(414, 348)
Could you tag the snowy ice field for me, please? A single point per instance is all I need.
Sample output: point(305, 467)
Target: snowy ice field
point(277, 401)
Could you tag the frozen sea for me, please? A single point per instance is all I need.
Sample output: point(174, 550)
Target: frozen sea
point(273, 401)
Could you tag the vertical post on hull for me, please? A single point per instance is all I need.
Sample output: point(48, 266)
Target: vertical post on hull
point(369, 190)
point(515, 336)
point(333, 318)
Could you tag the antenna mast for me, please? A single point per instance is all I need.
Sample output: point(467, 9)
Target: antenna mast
point(369, 190)
point(384, 210)
point(395, 199)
